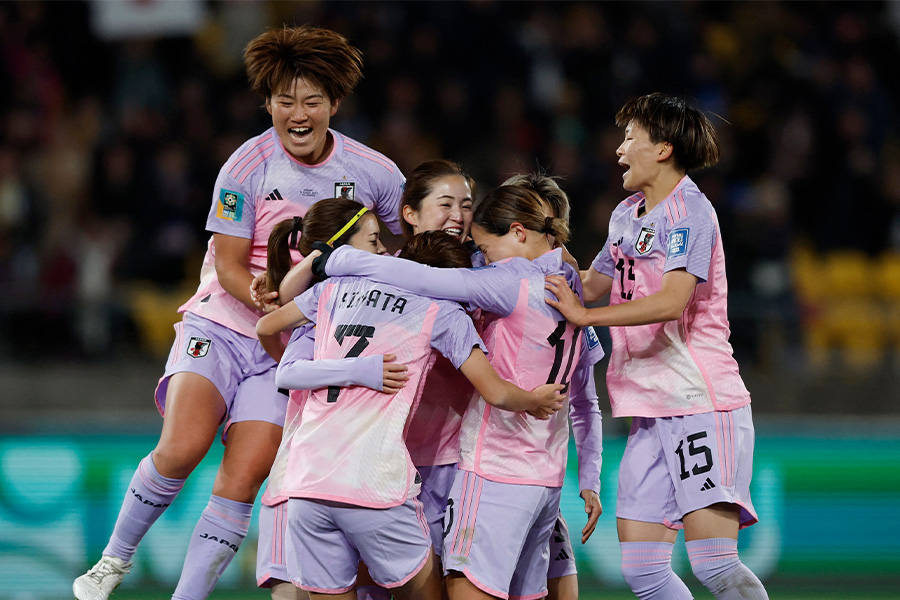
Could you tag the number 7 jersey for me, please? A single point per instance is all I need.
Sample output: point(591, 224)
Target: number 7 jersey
point(349, 446)
point(679, 367)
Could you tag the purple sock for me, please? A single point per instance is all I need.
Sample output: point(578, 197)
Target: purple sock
point(647, 567)
point(216, 538)
point(716, 564)
point(149, 495)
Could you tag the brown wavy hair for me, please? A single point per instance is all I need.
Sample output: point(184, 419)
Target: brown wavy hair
point(510, 204)
point(436, 249)
point(320, 56)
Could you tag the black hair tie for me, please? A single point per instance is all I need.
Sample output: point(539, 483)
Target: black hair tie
point(548, 225)
point(295, 230)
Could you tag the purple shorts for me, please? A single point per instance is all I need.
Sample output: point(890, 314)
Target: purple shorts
point(237, 365)
point(562, 556)
point(271, 562)
point(676, 465)
point(497, 535)
point(327, 540)
point(437, 480)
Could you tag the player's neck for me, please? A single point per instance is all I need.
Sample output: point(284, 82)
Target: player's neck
point(660, 188)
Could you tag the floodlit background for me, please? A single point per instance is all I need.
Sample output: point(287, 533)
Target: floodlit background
point(116, 116)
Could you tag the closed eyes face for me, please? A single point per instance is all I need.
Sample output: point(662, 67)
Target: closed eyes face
point(496, 247)
point(368, 236)
point(448, 208)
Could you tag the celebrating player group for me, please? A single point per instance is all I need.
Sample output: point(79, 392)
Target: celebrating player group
point(411, 411)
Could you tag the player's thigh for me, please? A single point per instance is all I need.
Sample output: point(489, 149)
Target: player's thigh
point(716, 521)
point(250, 449)
point(643, 531)
point(460, 588)
point(194, 409)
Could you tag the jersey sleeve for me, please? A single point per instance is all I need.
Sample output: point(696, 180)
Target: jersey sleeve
point(587, 427)
point(690, 245)
point(454, 334)
point(308, 301)
point(603, 262)
point(387, 203)
point(233, 210)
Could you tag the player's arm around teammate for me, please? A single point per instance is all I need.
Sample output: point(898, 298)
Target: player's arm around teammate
point(664, 267)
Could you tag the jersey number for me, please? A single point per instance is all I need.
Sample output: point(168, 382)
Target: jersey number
point(558, 343)
point(621, 268)
point(363, 332)
point(694, 450)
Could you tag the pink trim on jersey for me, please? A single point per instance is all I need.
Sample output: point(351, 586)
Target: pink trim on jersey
point(681, 202)
point(484, 588)
point(669, 214)
point(266, 154)
point(261, 150)
point(263, 139)
point(364, 152)
point(690, 348)
point(342, 499)
point(633, 199)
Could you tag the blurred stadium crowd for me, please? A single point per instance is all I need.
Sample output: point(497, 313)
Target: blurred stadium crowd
point(110, 143)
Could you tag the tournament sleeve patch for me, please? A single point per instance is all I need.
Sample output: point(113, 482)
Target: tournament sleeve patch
point(678, 241)
point(231, 205)
point(592, 340)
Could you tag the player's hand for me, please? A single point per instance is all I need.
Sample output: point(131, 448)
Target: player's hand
point(593, 509)
point(549, 399)
point(319, 263)
point(567, 302)
point(264, 300)
point(395, 376)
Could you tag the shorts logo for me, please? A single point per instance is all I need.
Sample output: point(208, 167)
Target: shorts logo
point(592, 340)
point(707, 485)
point(345, 189)
point(231, 205)
point(198, 347)
point(644, 240)
point(678, 241)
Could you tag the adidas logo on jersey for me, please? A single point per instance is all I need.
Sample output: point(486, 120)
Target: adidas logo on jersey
point(707, 485)
point(275, 195)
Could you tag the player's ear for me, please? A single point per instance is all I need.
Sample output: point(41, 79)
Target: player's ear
point(269, 104)
point(334, 107)
point(665, 151)
point(520, 231)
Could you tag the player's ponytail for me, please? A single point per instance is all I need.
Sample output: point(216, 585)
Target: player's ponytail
point(510, 204)
point(284, 238)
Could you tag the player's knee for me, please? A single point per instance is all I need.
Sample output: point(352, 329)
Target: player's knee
point(716, 565)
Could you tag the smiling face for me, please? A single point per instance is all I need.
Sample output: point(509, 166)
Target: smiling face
point(301, 114)
point(368, 236)
point(641, 157)
point(447, 207)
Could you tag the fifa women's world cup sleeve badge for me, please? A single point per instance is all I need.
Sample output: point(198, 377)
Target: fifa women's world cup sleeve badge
point(231, 205)
point(644, 241)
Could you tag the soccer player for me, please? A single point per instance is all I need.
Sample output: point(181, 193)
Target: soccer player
point(351, 482)
point(217, 372)
point(689, 456)
point(562, 576)
point(511, 468)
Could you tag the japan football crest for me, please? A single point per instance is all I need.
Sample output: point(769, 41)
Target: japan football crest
point(345, 189)
point(644, 240)
point(198, 347)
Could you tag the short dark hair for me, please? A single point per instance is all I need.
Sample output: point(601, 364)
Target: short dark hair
point(671, 119)
point(320, 56)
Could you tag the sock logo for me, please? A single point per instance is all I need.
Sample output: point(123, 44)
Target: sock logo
point(223, 541)
point(707, 485)
point(150, 503)
point(275, 195)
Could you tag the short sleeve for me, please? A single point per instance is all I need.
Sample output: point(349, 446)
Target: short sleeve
point(603, 262)
point(454, 334)
point(308, 301)
point(233, 210)
point(690, 244)
point(387, 205)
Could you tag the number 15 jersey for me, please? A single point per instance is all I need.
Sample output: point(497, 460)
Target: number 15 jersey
point(680, 367)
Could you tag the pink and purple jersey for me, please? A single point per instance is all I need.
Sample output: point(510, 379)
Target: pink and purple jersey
point(350, 446)
point(679, 367)
point(262, 184)
point(529, 342)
